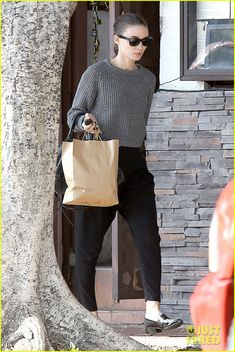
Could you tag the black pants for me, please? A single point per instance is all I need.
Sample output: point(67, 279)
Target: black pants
point(137, 206)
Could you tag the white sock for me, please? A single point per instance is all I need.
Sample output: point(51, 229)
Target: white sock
point(152, 315)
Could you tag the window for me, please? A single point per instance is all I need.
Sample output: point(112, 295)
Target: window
point(207, 41)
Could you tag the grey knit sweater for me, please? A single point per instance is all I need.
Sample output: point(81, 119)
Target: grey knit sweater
point(119, 99)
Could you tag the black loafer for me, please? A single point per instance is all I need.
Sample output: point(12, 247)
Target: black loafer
point(163, 323)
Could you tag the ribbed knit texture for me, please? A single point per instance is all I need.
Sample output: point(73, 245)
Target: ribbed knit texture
point(119, 99)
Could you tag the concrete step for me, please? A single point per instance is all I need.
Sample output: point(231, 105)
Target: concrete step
point(166, 340)
point(162, 343)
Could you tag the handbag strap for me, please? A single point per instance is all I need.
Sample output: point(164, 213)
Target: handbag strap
point(69, 137)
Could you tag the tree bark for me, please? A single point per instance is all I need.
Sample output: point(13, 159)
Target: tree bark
point(39, 311)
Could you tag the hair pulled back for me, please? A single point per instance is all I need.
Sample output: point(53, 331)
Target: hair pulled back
point(124, 21)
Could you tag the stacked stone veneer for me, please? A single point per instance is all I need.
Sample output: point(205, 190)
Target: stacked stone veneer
point(189, 147)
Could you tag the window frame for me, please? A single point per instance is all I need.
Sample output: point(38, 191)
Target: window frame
point(186, 74)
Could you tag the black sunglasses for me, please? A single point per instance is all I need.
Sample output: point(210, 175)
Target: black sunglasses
point(135, 41)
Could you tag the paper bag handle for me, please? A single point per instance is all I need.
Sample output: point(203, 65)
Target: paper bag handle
point(69, 137)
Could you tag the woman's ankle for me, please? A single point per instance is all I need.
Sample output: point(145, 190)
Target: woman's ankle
point(152, 310)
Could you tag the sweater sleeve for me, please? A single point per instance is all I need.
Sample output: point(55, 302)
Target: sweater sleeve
point(150, 97)
point(84, 97)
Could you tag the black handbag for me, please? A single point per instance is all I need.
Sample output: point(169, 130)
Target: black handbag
point(60, 183)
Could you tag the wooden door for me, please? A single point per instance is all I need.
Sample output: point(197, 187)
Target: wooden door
point(127, 282)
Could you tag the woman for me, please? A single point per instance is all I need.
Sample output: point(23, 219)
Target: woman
point(116, 95)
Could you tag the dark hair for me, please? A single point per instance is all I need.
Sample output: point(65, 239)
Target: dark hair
point(124, 21)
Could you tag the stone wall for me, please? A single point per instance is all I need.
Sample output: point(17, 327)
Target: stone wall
point(190, 153)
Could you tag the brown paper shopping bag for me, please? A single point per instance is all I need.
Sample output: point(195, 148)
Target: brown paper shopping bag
point(90, 169)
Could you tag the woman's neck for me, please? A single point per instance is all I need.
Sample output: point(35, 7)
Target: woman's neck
point(124, 64)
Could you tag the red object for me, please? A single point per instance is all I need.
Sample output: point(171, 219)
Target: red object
point(212, 304)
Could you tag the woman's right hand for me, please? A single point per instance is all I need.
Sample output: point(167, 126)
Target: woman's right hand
point(93, 126)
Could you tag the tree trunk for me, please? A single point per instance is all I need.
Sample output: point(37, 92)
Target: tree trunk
point(39, 311)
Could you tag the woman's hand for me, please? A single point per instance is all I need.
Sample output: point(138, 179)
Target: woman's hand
point(93, 126)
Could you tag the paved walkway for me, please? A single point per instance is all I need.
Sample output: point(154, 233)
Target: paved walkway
point(171, 340)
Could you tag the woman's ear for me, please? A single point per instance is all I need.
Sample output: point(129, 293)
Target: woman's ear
point(115, 39)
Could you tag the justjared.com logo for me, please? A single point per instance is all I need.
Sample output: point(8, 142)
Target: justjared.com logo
point(203, 335)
